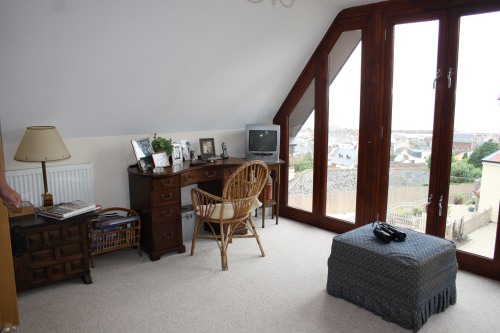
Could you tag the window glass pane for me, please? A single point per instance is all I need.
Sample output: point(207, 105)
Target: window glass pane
point(474, 194)
point(343, 126)
point(301, 152)
point(412, 119)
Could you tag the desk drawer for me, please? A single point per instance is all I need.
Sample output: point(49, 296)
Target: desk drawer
point(166, 197)
point(167, 182)
point(167, 235)
point(166, 213)
point(200, 176)
point(228, 171)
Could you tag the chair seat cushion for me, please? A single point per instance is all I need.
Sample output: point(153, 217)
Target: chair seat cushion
point(229, 211)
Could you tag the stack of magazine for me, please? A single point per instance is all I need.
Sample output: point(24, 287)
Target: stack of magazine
point(106, 220)
point(68, 209)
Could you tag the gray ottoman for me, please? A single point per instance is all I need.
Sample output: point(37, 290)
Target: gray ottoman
point(402, 282)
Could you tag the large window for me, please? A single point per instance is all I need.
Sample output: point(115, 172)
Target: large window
point(400, 102)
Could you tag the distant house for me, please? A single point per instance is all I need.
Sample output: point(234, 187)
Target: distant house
point(489, 192)
point(480, 138)
point(343, 158)
point(411, 156)
point(462, 142)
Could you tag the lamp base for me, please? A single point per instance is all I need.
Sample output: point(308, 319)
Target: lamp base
point(47, 200)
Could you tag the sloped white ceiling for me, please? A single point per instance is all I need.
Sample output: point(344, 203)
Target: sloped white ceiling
point(123, 67)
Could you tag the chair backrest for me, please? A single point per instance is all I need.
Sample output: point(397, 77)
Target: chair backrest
point(247, 181)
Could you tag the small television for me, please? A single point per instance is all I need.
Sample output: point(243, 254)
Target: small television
point(262, 142)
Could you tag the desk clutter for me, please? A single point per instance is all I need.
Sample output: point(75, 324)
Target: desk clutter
point(113, 229)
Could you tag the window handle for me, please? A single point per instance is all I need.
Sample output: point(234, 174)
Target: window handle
point(428, 202)
point(438, 75)
point(450, 74)
point(440, 204)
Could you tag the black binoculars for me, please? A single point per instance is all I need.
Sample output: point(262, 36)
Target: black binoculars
point(386, 233)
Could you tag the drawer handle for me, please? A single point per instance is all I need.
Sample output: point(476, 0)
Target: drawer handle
point(210, 175)
point(188, 176)
point(165, 214)
point(168, 234)
point(164, 197)
point(166, 182)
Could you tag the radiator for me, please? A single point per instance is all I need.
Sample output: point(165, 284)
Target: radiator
point(66, 183)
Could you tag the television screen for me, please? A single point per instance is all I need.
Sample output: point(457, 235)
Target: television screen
point(262, 140)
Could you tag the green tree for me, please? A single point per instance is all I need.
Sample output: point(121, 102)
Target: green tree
point(304, 163)
point(428, 162)
point(481, 152)
point(463, 172)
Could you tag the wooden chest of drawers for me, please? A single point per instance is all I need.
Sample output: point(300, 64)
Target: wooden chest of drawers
point(158, 202)
point(47, 250)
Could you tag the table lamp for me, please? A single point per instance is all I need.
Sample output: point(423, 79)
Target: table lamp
point(42, 144)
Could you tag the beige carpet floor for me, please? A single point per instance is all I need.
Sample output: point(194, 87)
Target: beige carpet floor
point(282, 292)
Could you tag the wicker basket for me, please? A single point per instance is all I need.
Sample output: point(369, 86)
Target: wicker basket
point(113, 229)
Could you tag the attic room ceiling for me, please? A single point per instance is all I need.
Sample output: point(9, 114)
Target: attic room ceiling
point(97, 68)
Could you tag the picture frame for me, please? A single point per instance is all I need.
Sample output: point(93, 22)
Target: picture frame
point(161, 160)
point(143, 152)
point(145, 163)
point(207, 148)
point(186, 148)
point(177, 154)
point(142, 148)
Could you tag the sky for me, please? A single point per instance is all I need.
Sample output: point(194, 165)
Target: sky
point(477, 106)
point(478, 75)
point(478, 90)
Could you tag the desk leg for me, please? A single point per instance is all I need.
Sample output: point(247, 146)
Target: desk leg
point(276, 194)
point(264, 203)
point(275, 197)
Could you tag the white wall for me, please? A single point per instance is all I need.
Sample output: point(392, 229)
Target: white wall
point(113, 154)
point(490, 195)
point(95, 68)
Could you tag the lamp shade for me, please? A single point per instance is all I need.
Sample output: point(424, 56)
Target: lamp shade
point(41, 143)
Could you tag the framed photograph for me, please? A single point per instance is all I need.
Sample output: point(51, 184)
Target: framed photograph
point(145, 163)
point(207, 147)
point(143, 153)
point(186, 148)
point(177, 154)
point(142, 148)
point(161, 160)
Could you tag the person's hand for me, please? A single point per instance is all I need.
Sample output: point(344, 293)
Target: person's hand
point(11, 198)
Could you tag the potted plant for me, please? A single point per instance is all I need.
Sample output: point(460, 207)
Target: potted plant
point(458, 199)
point(160, 144)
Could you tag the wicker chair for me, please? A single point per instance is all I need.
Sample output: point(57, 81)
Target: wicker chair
point(225, 215)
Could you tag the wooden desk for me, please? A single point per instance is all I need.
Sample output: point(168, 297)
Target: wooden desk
point(46, 250)
point(157, 199)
